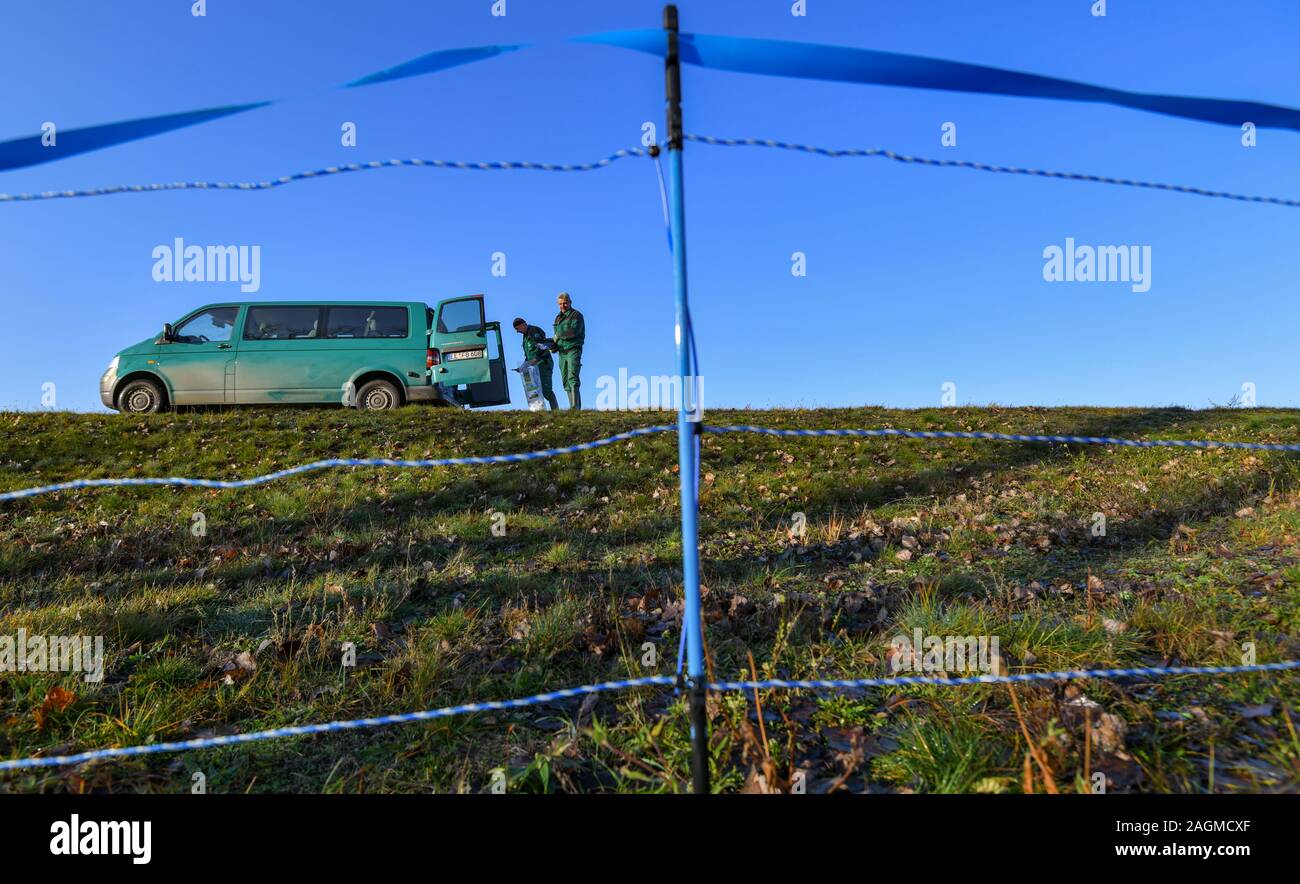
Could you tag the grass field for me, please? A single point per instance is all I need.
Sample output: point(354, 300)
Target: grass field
point(236, 619)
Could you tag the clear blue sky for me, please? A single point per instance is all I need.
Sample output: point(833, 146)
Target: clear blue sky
point(916, 276)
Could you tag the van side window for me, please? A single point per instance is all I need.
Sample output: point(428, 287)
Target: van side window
point(282, 323)
point(366, 322)
point(216, 324)
point(460, 316)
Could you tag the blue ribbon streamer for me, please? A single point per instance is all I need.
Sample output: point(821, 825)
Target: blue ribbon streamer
point(852, 65)
point(745, 54)
point(432, 62)
point(29, 151)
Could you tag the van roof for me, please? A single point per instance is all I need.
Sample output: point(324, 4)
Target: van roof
point(311, 302)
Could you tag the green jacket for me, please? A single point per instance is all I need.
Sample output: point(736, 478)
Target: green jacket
point(533, 337)
point(570, 331)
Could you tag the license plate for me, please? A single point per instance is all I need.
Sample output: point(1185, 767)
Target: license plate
point(467, 354)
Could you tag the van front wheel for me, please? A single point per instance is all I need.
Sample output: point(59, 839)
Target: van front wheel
point(140, 397)
point(378, 396)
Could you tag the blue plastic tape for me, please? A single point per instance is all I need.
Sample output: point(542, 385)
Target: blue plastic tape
point(30, 151)
point(745, 54)
point(852, 65)
point(432, 62)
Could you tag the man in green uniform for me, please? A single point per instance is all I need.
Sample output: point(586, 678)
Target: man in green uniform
point(570, 334)
point(537, 351)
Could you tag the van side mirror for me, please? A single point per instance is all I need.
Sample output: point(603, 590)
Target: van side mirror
point(168, 333)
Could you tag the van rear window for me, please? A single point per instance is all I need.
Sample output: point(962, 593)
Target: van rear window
point(366, 322)
point(460, 316)
point(282, 323)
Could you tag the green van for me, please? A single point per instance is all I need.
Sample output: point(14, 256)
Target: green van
point(368, 354)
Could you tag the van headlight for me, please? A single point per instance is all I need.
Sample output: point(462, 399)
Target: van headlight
point(112, 366)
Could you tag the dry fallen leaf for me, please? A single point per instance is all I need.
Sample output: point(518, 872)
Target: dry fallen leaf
point(56, 700)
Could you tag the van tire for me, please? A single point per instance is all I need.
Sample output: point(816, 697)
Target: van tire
point(141, 397)
point(378, 396)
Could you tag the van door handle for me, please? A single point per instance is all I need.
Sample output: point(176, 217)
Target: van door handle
point(223, 346)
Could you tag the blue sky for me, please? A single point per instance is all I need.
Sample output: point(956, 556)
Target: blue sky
point(916, 277)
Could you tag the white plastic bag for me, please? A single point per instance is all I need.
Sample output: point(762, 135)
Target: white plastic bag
point(532, 378)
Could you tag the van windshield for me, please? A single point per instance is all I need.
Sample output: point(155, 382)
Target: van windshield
point(216, 324)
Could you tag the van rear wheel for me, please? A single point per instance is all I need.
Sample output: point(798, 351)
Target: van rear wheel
point(378, 396)
point(140, 397)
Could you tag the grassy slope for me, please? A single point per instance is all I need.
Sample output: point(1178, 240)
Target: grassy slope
point(1200, 556)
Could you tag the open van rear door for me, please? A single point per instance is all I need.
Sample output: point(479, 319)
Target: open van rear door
point(495, 390)
point(458, 335)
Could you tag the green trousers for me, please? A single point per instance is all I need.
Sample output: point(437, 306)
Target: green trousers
point(570, 365)
point(545, 370)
